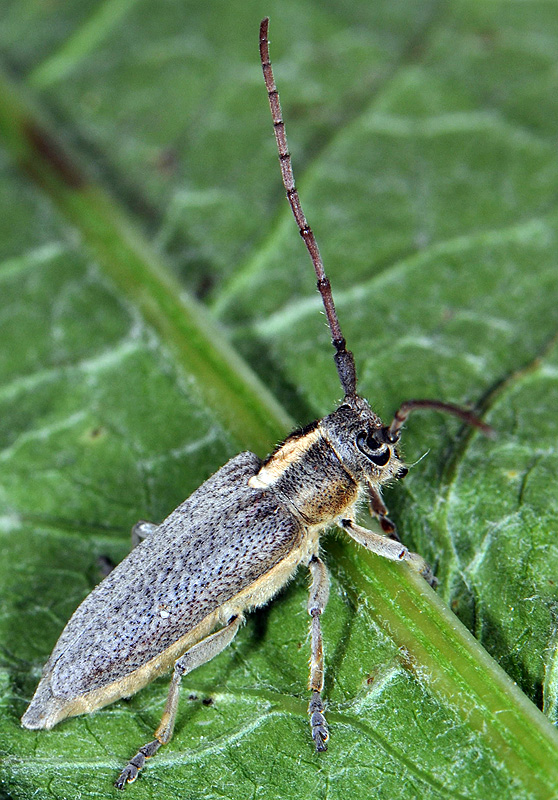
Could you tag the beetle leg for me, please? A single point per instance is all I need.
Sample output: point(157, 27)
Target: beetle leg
point(387, 548)
point(141, 530)
point(379, 509)
point(197, 655)
point(317, 600)
point(130, 771)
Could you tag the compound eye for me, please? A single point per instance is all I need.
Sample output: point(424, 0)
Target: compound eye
point(376, 451)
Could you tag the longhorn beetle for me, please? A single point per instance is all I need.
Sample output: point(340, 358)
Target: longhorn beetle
point(180, 596)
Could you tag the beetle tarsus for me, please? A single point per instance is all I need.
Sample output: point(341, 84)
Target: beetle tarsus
point(421, 566)
point(132, 768)
point(318, 722)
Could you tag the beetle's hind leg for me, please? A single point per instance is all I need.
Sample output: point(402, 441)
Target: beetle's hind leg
point(197, 655)
point(317, 600)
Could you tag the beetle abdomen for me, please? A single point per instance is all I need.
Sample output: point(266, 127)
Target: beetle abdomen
point(211, 549)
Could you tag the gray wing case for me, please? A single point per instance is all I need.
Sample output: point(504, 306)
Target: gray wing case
point(218, 542)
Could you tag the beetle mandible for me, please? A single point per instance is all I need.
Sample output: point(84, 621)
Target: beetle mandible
point(180, 596)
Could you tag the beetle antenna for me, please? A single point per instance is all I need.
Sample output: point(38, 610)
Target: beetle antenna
point(344, 360)
point(393, 431)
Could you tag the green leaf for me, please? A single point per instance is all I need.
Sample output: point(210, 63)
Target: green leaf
point(139, 165)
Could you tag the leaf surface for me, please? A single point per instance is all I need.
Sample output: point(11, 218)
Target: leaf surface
point(424, 143)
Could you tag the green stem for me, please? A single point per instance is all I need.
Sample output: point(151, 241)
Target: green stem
point(238, 398)
point(456, 667)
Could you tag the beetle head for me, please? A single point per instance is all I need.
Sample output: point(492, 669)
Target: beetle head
point(362, 442)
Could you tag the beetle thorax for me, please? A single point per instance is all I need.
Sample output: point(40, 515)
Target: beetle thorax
point(321, 470)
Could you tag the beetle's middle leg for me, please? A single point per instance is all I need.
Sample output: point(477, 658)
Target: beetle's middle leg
point(317, 600)
point(197, 655)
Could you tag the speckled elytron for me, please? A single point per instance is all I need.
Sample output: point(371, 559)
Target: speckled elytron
point(179, 598)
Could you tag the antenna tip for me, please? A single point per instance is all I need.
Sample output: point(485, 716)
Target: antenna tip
point(488, 430)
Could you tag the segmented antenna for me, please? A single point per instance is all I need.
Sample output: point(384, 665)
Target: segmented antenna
point(344, 360)
point(393, 431)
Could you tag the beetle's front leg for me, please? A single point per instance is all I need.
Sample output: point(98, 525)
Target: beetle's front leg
point(387, 548)
point(317, 600)
point(379, 510)
point(197, 655)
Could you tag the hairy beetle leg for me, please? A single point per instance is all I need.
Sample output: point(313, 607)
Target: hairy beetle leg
point(317, 600)
point(379, 510)
point(388, 548)
point(318, 722)
point(197, 655)
point(132, 768)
